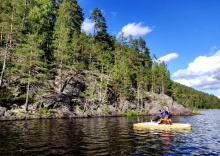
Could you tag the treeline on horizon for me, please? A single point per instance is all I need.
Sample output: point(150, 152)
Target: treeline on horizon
point(40, 37)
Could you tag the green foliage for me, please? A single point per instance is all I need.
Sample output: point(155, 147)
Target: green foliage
point(44, 39)
point(44, 90)
point(68, 24)
point(36, 115)
point(78, 110)
point(131, 112)
point(46, 111)
point(21, 113)
point(194, 99)
point(105, 109)
point(5, 96)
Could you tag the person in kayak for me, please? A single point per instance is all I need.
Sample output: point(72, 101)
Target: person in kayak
point(165, 116)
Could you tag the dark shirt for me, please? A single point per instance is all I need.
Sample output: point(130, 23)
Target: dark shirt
point(164, 113)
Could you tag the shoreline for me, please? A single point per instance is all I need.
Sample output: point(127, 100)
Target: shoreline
point(16, 118)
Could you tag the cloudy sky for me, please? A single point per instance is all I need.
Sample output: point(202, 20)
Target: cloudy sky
point(183, 33)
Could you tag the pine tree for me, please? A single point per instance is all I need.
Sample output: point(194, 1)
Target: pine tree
point(68, 21)
point(155, 77)
point(32, 67)
point(80, 50)
point(121, 71)
point(29, 52)
point(164, 77)
point(7, 33)
point(100, 29)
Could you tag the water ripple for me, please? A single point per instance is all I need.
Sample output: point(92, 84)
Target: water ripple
point(109, 136)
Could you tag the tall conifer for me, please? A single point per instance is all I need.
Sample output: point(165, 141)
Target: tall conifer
point(29, 52)
point(68, 22)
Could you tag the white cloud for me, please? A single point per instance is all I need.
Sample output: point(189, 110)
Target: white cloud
point(169, 57)
point(218, 93)
point(201, 82)
point(201, 65)
point(203, 74)
point(88, 26)
point(217, 74)
point(135, 29)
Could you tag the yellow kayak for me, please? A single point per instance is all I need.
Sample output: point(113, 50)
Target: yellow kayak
point(155, 125)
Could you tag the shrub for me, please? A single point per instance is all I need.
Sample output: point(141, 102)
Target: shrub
point(105, 109)
point(46, 111)
point(131, 113)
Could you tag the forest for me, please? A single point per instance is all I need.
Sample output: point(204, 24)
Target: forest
point(43, 39)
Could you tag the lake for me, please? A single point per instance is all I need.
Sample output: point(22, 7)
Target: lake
point(113, 136)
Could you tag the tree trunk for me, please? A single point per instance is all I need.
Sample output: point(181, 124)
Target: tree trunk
point(106, 88)
point(27, 95)
point(138, 96)
point(8, 44)
point(28, 88)
point(100, 87)
point(28, 84)
point(153, 84)
point(163, 82)
point(4, 65)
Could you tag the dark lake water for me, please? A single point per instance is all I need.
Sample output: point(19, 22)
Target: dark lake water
point(110, 136)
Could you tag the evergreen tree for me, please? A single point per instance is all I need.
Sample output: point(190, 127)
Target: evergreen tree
point(80, 50)
point(121, 72)
point(8, 28)
point(75, 17)
point(32, 68)
point(154, 77)
point(160, 77)
point(68, 22)
point(164, 77)
point(29, 52)
point(100, 23)
point(38, 35)
point(100, 29)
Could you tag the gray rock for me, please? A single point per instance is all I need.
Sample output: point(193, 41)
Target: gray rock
point(160, 100)
point(2, 111)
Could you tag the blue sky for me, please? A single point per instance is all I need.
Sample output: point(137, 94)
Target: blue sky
point(183, 33)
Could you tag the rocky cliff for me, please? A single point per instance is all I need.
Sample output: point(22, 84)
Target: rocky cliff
point(69, 96)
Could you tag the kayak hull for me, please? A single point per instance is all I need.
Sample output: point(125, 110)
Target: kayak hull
point(154, 125)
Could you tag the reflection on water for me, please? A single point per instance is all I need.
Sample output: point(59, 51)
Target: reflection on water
point(161, 142)
point(109, 136)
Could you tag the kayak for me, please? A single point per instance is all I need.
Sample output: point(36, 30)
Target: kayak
point(155, 125)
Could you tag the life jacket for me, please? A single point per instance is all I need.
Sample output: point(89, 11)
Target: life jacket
point(164, 120)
